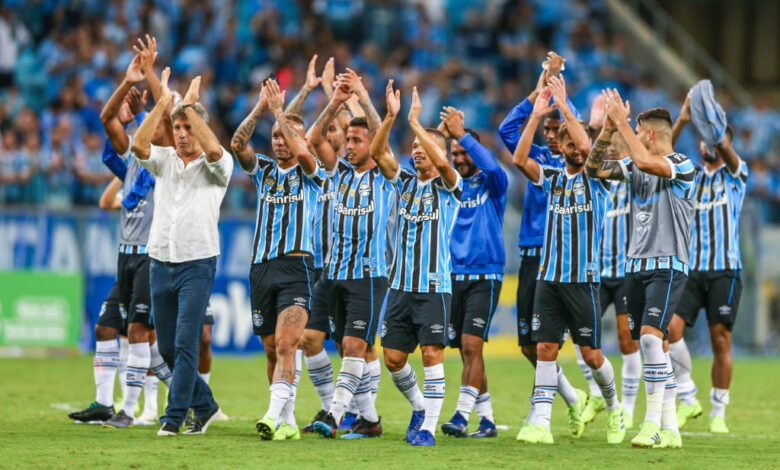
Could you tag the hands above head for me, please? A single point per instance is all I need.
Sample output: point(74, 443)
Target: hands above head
point(328, 75)
point(165, 93)
point(134, 73)
point(554, 64)
point(558, 87)
point(193, 93)
point(355, 82)
point(393, 99)
point(147, 51)
point(311, 75)
point(416, 108)
point(685, 111)
point(616, 110)
point(343, 90)
point(542, 104)
point(136, 100)
point(275, 96)
point(454, 122)
point(262, 99)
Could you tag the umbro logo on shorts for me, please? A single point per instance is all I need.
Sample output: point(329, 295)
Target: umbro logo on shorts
point(724, 310)
point(437, 328)
point(359, 324)
point(141, 308)
point(585, 331)
point(653, 311)
point(300, 301)
point(479, 322)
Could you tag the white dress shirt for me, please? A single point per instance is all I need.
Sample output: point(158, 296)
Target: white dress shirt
point(186, 204)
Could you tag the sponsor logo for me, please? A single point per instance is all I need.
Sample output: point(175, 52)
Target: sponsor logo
point(417, 218)
point(269, 181)
point(536, 322)
point(585, 331)
point(653, 311)
point(257, 319)
point(557, 191)
point(437, 328)
point(706, 206)
point(612, 213)
point(406, 196)
point(141, 308)
point(479, 322)
point(451, 332)
point(471, 203)
point(355, 211)
point(359, 324)
point(568, 210)
point(724, 310)
point(300, 301)
point(342, 188)
point(384, 330)
point(329, 196)
point(364, 190)
point(289, 199)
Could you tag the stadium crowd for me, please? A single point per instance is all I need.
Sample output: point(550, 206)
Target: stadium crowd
point(60, 61)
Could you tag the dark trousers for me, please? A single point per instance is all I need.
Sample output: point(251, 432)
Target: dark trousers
point(180, 294)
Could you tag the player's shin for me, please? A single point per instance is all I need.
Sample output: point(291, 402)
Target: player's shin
point(433, 393)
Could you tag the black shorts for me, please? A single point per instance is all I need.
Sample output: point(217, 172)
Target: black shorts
point(318, 319)
point(473, 306)
point(653, 297)
point(113, 313)
point(134, 291)
point(526, 288)
point(717, 292)
point(415, 318)
point(355, 307)
point(277, 284)
point(209, 320)
point(613, 291)
point(559, 306)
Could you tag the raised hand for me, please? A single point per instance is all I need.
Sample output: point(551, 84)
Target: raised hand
point(136, 100)
point(616, 109)
point(393, 99)
point(416, 108)
point(262, 99)
point(343, 91)
point(312, 80)
point(558, 87)
point(147, 51)
point(542, 104)
point(598, 112)
point(454, 122)
point(275, 96)
point(134, 73)
point(355, 81)
point(165, 92)
point(554, 64)
point(685, 111)
point(125, 114)
point(328, 74)
point(193, 92)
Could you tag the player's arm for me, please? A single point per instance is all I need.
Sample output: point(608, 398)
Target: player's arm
point(380, 148)
point(729, 155)
point(328, 77)
point(239, 144)
point(359, 90)
point(640, 156)
point(521, 158)
point(683, 119)
point(200, 130)
point(578, 134)
point(315, 136)
point(596, 166)
point(148, 53)
point(437, 154)
point(109, 116)
point(312, 81)
point(295, 142)
point(143, 136)
point(110, 199)
point(482, 157)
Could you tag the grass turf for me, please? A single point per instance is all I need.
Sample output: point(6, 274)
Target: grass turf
point(36, 433)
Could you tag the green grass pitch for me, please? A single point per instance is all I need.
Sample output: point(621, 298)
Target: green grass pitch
point(36, 433)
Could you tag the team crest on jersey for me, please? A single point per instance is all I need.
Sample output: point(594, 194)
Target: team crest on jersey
point(475, 182)
point(364, 190)
point(536, 322)
point(384, 329)
point(427, 199)
point(257, 318)
point(269, 181)
point(122, 311)
point(579, 188)
point(293, 179)
point(406, 196)
point(557, 191)
point(717, 185)
point(523, 327)
point(451, 332)
point(342, 188)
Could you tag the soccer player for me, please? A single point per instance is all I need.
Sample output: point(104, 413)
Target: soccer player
point(662, 209)
point(191, 181)
point(477, 250)
point(282, 274)
point(714, 280)
point(567, 285)
point(356, 269)
point(418, 303)
point(137, 209)
point(532, 231)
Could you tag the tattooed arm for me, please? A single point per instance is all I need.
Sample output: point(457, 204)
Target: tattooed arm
point(372, 116)
point(596, 166)
point(316, 134)
point(239, 144)
point(295, 140)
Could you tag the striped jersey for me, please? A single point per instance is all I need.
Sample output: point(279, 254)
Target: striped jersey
point(286, 205)
point(617, 223)
point(572, 235)
point(715, 231)
point(361, 209)
point(426, 216)
point(322, 233)
point(662, 213)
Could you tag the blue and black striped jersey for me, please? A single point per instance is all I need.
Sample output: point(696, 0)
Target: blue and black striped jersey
point(572, 235)
point(715, 231)
point(322, 233)
point(361, 209)
point(617, 225)
point(426, 216)
point(286, 205)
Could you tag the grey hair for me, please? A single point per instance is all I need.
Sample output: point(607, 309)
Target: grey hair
point(178, 112)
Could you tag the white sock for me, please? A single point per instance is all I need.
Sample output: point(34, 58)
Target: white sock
point(655, 376)
point(531, 411)
point(669, 409)
point(321, 373)
point(719, 397)
point(104, 366)
point(124, 351)
point(545, 385)
point(376, 375)
point(681, 361)
point(206, 376)
point(605, 377)
point(363, 397)
point(484, 407)
point(150, 395)
point(281, 392)
point(433, 391)
point(347, 384)
point(593, 387)
point(288, 412)
point(632, 374)
point(137, 366)
point(466, 400)
point(568, 392)
point(406, 382)
point(159, 366)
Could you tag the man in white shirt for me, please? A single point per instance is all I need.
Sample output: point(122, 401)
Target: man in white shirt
point(192, 179)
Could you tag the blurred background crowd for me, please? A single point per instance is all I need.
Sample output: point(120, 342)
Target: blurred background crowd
point(60, 61)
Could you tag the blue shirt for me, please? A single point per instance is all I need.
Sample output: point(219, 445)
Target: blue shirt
point(535, 203)
point(426, 216)
point(322, 233)
point(286, 202)
point(477, 244)
point(617, 220)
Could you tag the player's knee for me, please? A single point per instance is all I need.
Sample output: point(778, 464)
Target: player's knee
point(546, 351)
point(676, 327)
point(627, 345)
point(137, 333)
point(312, 342)
point(471, 347)
point(353, 347)
point(432, 355)
point(592, 357)
point(394, 362)
point(286, 346)
point(721, 341)
point(105, 333)
point(529, 351)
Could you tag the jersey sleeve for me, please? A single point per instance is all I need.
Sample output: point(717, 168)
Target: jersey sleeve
point(601, 186)
point(401, 177)
point(683, 173)
point(545, 179)
point(739, 177)
point(486, 162)
point(456, 189)
point(509, 130)
point(627, 167)
point(317, 177)
point(116, 163)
